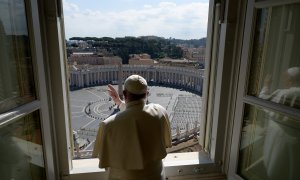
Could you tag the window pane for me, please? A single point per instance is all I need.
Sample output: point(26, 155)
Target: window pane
point(275, 68)
point(22, 150)
point(270, 145)
point(16, 74)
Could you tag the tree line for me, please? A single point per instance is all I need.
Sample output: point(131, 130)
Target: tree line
point(156, 47)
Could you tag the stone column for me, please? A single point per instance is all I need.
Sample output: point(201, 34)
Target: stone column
point(87, 78)
point(77, 80)
point(80, 79)
point(93, 78)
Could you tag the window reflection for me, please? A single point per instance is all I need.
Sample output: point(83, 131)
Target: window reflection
point(275, 67)
point(270, 145)
point(21, 149)
point(270, 141)
point(290, 93)
point(16, 74)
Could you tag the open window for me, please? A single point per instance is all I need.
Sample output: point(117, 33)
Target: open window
point(266, 131)
point(176, 83)
point(214, 119)
point(26, 143)
point(241, 49)
point(174, 67)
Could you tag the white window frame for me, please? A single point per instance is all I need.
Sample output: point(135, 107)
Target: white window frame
point(41, 103)
point(242, 97)
point(223, 104)
point(217, 127)
point(176, 164)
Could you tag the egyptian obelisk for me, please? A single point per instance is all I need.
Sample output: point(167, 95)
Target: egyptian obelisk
point(120, 80)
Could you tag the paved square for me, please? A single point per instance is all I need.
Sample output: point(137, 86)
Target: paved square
point(90, 106)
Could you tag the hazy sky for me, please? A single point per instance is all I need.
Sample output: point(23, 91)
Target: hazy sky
point(184, 19)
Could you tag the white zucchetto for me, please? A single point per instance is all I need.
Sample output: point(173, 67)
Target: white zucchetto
point(136, 84)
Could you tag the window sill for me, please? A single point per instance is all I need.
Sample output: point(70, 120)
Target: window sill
point(86, 166)
point(176, 164)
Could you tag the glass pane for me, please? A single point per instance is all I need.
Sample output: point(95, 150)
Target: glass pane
point(275, 68)
point(22, 150)
point(270, 145)
point(16, 74)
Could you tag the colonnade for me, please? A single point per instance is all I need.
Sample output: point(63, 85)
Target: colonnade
point(180, 77)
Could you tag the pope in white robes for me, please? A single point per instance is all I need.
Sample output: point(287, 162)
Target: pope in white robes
point(132, 143)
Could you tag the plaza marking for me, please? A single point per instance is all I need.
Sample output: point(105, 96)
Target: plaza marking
point(97, 111)
point(76, 112)
point(89, 145)
point(71, 99)
point(78, 116)
point(189, 109)
point(76, 106)
point(88, 123)
point(93, 93)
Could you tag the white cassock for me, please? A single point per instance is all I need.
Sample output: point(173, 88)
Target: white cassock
point(132, 143)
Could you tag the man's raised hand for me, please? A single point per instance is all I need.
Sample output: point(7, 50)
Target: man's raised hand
point(114, 94)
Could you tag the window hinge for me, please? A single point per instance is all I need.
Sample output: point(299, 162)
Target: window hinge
point(65, 176)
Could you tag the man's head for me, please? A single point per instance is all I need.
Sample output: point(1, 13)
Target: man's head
point(292, 77)
point(135, 88)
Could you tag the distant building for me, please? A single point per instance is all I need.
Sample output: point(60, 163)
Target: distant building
point(93, 59)
point(140, 59)
point(178, 62)
point(195, 54)
point(181, 77)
